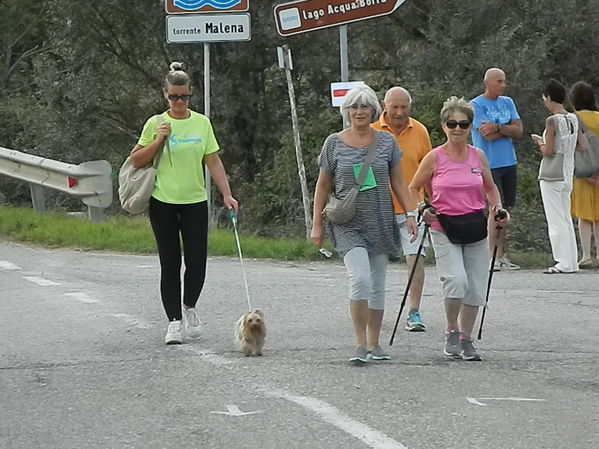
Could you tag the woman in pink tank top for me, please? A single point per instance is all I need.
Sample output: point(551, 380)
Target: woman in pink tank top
point(459, 183)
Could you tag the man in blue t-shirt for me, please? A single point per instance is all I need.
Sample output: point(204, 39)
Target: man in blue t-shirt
point(496, 122)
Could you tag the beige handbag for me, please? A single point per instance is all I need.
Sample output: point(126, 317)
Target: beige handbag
point(137, 184)
point(552, 168)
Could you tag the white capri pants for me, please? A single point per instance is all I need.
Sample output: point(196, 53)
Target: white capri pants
point(463, 269)
point(556, 202)
point(366, 273)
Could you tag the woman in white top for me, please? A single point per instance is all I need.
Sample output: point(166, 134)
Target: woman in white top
point(556, 172)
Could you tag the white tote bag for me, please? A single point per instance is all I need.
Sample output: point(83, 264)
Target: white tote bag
point(137, 184)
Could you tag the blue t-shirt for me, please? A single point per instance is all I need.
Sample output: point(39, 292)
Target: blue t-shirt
point(501, 111)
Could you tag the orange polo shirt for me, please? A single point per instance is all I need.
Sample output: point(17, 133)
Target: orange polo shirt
point(415, 143)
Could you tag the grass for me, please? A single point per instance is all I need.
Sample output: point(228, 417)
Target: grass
point(132, 234)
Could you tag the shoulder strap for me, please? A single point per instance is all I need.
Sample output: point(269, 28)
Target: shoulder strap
point(158, 154)
point(368, 160)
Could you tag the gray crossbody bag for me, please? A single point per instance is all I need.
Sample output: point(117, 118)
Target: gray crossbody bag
point(342, 210)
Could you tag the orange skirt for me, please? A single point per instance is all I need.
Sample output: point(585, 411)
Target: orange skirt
point(585, 200)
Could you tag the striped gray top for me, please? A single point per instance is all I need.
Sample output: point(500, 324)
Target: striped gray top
point(373, 227)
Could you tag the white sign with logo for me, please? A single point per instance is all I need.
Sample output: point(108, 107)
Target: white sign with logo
point(338, 91)
point(208, 28)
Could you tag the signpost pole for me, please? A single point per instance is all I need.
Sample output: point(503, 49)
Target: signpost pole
point(343, 53)
point(301, 169)
point(211, 217)
point(344, 59)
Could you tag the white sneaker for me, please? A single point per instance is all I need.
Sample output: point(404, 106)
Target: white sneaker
point(191, 322)
point(173, 333)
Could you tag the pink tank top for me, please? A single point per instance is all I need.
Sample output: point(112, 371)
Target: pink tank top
point(457, 186)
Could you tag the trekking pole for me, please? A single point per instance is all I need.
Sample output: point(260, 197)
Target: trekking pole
point(233, 219)
point(405, 294)
point(500, 214)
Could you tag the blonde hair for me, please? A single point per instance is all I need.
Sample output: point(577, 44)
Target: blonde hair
point(177, 76)
point(455, 104)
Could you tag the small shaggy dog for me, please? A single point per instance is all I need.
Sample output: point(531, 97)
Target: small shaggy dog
point(250, 332)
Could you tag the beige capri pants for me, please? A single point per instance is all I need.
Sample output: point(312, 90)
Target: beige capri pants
point(463, 269)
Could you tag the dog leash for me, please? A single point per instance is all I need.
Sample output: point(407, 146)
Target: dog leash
point(233, 219)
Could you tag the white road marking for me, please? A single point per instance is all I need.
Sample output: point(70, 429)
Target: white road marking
point(131, 320)
point(233, 410)
point(477, 402)
point(82, 297)
point(564, 291)
point(371, 437)
point(40, 281)
point(208, 356)
point(5, 265)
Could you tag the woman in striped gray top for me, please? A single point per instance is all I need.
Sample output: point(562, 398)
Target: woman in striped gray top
point(366, 241)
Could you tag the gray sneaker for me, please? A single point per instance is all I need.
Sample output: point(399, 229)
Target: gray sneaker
point(377, 353)
point(453, 346)
point(469, 351)
point(360, 355)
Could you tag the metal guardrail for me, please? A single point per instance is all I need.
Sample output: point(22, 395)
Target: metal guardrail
point(89, 181)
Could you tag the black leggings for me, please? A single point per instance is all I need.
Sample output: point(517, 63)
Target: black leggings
point(190, 221)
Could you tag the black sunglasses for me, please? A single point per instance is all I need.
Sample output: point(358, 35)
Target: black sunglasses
point(185, 97)
point(452, 124)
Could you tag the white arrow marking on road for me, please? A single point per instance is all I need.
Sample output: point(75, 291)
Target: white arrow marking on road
point(477, 402)
point(40, 281)
point(233, 410)
point(79, 296)
point(206, 355)
point(5, 265)
point(131, 320)
point(371, 437)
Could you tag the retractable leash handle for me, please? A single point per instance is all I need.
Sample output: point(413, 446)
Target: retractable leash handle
point(232, 217)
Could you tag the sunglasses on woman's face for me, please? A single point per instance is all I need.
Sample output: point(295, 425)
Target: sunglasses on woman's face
point(185, 97)
point(452, 124)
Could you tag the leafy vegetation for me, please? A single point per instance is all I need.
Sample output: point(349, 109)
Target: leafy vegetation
point(134, 235)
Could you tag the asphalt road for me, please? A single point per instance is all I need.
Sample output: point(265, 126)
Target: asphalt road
point(83, 363)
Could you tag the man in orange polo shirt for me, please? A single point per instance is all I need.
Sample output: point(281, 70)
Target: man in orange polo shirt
point(414, 141)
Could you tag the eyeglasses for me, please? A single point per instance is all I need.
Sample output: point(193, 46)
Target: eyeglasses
point(452, 124)
point(185, 97)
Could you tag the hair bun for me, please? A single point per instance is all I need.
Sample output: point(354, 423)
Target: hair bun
point(176, 66)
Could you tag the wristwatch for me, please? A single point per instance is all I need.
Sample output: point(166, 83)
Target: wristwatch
point(498, 127)
point(412, 213)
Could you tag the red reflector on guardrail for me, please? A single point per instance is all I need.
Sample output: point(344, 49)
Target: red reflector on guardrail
point(72, 182)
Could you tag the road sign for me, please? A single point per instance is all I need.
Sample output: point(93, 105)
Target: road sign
point(208, 28)
point(338, 91)
point(308, 15)
point(205, 6)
